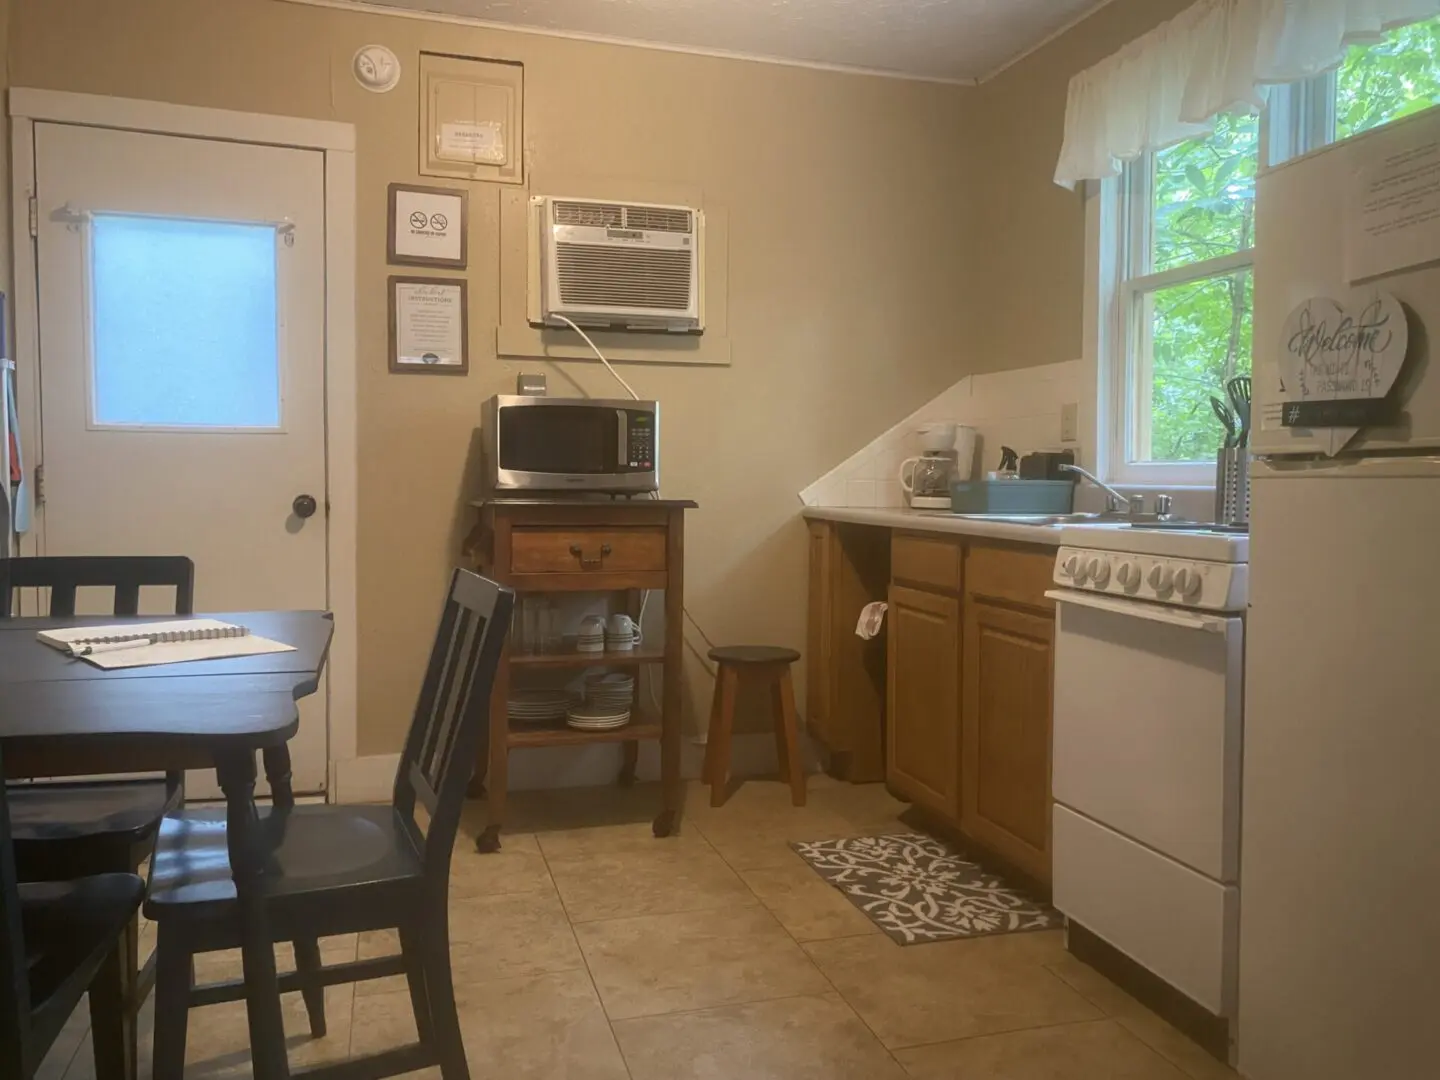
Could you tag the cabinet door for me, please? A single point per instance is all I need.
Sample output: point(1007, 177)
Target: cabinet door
point(1006, 748)
point(923, 733)
point(818, 662)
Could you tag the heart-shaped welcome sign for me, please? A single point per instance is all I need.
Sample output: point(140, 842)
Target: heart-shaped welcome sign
point(1332, 353)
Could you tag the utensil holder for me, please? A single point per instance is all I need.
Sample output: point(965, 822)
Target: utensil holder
point(1232, 486)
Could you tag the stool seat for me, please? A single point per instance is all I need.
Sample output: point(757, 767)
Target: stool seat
point(753, 654)
point(764, 667)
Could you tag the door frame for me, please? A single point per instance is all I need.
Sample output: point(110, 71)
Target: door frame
point(336, 141)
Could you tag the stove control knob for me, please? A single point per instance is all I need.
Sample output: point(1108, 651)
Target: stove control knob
point(1099, 572)
point(1187, 581)
point(1129, 576)
point(1160, 576)
point(1071, 566)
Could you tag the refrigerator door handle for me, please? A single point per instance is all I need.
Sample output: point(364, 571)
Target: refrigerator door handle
point(1186, 620)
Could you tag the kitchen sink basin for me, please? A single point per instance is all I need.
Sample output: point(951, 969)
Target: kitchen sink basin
point(1042, 519)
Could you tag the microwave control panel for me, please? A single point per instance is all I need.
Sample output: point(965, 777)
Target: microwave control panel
point(641, 440)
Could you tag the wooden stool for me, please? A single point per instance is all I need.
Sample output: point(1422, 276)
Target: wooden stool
point(769, 666)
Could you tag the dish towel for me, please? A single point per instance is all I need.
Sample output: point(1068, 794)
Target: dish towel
point(872, 618)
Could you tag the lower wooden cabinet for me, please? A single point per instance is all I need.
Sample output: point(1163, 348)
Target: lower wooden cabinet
point(1005, 785)
point(923, 696)
point(961, 687)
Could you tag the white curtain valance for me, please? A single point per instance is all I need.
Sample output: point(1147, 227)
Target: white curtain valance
point(1215, 56)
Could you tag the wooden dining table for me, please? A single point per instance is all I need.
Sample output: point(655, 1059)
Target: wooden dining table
point(61, 716)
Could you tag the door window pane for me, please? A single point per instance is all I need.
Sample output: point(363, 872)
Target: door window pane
point(185, 323)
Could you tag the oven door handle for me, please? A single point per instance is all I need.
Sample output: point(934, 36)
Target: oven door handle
point(1186, 620)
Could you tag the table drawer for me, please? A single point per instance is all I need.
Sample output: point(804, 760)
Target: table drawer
point(564, 550)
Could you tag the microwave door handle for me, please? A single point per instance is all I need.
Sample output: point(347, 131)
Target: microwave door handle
point(1186, 620)
point(622, 455)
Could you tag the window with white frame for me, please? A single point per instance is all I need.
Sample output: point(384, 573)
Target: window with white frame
point(1181, 252)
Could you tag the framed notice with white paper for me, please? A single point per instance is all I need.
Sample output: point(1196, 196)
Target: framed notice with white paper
point(429, 333)
point(427, 226)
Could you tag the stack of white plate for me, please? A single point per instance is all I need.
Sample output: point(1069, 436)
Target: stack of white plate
point(597, 718)
point(538, 706)
point(615, 691)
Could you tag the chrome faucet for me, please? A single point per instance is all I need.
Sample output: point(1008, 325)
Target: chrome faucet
point(1118, 501)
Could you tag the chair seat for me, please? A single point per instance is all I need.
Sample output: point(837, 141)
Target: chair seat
point(128, 810)
point(69, 927)
point(313, 850)
point(753, 654)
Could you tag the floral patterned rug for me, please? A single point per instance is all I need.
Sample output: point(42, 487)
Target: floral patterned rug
point(918, 889)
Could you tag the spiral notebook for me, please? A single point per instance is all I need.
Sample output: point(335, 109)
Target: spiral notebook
point(140, 644)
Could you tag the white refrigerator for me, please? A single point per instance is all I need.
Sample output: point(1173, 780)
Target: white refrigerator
point(1340, 837)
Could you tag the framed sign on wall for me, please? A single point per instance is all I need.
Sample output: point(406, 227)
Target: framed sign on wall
point(427, 226)
point(429, 333)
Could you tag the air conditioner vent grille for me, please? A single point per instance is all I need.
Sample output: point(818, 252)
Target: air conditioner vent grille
point(604, 215)
point(658, 219)
point(630, 277)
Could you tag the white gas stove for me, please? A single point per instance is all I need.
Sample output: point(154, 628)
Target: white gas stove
point(1149, 663)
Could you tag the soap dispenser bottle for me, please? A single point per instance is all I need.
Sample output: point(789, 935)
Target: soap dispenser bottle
point(1009, 465)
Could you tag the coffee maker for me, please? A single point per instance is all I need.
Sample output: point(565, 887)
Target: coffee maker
point(947, 455)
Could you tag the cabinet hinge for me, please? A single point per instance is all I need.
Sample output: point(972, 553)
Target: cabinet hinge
point(34, 216)
point(39, 485)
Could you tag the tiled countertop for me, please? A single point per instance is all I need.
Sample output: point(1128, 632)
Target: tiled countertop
point(937, 522)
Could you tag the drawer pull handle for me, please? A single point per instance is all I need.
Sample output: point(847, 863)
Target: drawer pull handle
point(590, 564)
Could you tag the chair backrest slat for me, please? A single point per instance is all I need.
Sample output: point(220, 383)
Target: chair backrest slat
point(65, 575)
point(453, 712)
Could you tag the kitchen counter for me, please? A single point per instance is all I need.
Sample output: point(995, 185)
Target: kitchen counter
point(936, 522)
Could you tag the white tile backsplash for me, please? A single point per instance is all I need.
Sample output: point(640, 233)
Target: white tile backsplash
point(860, 493)
point(1018, 408)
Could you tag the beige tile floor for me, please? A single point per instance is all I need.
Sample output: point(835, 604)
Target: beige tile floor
point(588, 950)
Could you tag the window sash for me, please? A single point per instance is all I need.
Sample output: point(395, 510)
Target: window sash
point(1132, 447)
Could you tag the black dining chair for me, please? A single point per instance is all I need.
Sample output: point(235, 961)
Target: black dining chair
point(64, 830)
point(348, 869)
point(58, 940)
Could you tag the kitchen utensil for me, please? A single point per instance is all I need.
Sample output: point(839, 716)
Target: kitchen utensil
point(1239, 390)
point(1232, 486)
point(1226, 416)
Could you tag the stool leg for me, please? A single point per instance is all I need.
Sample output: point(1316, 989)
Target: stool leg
point(707, 770)
point(725, 722)
point(787, 746)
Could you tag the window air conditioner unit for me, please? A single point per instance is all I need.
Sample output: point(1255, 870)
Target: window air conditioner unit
point(616, 266)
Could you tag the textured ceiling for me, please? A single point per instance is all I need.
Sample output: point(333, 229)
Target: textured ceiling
point(935, 39)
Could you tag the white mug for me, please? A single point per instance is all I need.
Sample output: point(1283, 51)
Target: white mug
point(624, 628)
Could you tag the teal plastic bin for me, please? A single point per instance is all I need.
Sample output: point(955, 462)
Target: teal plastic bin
point(1012, 497)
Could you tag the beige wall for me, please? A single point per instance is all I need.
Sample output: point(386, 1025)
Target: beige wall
point(848, 201)
point(1033, 232)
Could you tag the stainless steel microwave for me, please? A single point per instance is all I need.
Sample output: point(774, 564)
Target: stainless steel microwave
point(571, 444)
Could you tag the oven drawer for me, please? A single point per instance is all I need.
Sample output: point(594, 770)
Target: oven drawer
point(1170, 920)
point(571, 550)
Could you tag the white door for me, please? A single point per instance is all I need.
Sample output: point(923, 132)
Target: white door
point(182, 330)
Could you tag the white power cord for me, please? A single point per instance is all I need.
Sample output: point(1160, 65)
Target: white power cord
point(645, 594)
point(596, 350)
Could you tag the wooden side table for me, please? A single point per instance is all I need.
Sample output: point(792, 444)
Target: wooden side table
point(599, 546)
